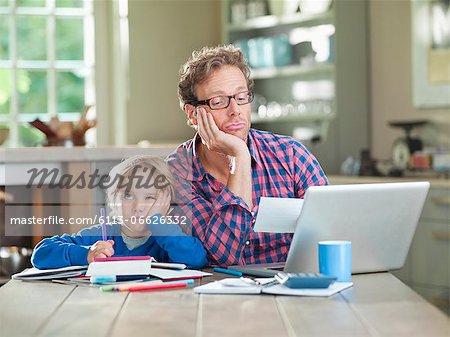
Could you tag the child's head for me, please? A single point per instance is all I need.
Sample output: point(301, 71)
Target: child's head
point(138, 182)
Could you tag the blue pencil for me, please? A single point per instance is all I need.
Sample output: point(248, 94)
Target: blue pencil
point(228, 271)
point(103, 222)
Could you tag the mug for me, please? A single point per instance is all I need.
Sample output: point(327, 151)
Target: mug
point(335, 259)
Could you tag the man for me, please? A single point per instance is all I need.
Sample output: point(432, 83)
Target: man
point(224, 170)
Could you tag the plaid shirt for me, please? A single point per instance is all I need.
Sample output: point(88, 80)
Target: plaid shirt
point(281, 167)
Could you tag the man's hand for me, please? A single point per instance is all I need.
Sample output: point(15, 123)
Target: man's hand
point(100, 249)
point(240, 179)
point(215, 139)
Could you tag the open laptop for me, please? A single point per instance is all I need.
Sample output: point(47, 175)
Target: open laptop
point(379, 219)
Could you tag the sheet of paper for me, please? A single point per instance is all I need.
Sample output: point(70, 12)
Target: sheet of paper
point(170, 274)
point(278, 215)
point(37, 274)
point(132, 267)
point(168, 265)
point(227, 286)
point(280, 289)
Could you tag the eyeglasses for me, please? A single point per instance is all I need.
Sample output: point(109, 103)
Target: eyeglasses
point(222, 102)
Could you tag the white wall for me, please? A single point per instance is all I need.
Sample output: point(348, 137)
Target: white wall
point(163, 34)
point(391, 79)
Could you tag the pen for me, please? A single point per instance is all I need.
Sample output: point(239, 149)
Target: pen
point(228, 271)
point(103, 222)
point(118, 278)
point(166, 285)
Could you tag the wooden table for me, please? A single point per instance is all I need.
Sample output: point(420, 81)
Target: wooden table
point(377, 305)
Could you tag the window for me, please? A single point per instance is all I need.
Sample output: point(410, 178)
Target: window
point(46, 64)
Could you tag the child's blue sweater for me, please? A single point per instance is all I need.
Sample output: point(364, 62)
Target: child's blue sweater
point(167, 243)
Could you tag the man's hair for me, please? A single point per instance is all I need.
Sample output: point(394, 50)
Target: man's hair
point(202, 64)
point(125, 169)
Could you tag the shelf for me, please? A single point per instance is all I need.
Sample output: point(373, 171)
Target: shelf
point(310, 117)
point(269, 21)
point(272, 72)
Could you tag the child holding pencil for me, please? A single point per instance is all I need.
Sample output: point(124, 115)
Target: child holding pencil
point(139, 195)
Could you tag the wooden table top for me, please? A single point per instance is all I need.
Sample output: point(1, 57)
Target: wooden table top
point(377, 305)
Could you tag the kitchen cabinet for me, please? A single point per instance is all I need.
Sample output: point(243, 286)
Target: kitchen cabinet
point(310, 72)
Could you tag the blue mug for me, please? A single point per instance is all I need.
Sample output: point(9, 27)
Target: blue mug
point(335, 259)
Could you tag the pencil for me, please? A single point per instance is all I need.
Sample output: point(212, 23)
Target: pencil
point(103, 222)
point(159, 286)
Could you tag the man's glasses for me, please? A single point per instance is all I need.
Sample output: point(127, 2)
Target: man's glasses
point(222, 102)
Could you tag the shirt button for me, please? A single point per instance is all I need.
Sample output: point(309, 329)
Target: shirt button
point(247, 243)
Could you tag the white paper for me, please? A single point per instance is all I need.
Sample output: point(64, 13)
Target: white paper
point(278, 215)
point(36, 274)
point(167, 274)
point(168, 265)
point(227, 286)
point(334, 288)
point(231, 286)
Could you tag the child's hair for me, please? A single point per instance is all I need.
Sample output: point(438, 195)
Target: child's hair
point(120, 174)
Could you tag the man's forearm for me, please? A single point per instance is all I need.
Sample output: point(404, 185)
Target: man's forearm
point(240, 181)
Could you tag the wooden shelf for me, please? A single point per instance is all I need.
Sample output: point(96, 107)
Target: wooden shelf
point(319, 69)
point(269, 21)
point(309, 117)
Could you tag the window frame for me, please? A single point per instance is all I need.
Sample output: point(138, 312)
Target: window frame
point(51, 66)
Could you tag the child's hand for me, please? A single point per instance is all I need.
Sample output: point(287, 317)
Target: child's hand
point(101, 249)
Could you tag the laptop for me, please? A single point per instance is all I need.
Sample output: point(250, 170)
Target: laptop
point(379, 219)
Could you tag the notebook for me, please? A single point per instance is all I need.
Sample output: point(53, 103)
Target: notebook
point(236, 286)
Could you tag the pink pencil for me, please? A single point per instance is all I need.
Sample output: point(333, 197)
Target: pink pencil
point(159, 286)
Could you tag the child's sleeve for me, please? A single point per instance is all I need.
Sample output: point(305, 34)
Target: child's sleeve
point(64, 251)
point(179, 247)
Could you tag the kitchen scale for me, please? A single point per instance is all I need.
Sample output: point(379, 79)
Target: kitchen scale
point(404, 147)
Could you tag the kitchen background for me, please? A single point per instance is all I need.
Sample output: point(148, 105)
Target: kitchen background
point(332, 73)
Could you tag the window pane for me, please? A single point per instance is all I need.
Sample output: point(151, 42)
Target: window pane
point(30, 136)
point(4, 3)
point(4, 37)
point(31, 38)
point(70, 92)
point(30, 3)
point(69, 3)
point(33, 100)
point(69, 39)
point(5, 91)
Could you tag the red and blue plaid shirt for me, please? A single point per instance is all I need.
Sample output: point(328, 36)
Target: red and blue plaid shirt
point(281, 167)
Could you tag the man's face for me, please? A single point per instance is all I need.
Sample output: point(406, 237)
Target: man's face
point(227, 81)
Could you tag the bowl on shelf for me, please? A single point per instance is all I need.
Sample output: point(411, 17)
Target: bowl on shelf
point(314, 6)
point(4, 133)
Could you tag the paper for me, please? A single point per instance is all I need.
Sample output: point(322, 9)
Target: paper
point(334, 288)
point(169, 274)
point(227, 286)
point(168, 265)
point(278, 215)
point(48, 274)
point(232, 286)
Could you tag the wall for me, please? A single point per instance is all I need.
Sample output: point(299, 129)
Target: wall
point(391, 79)
point(163, 34)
